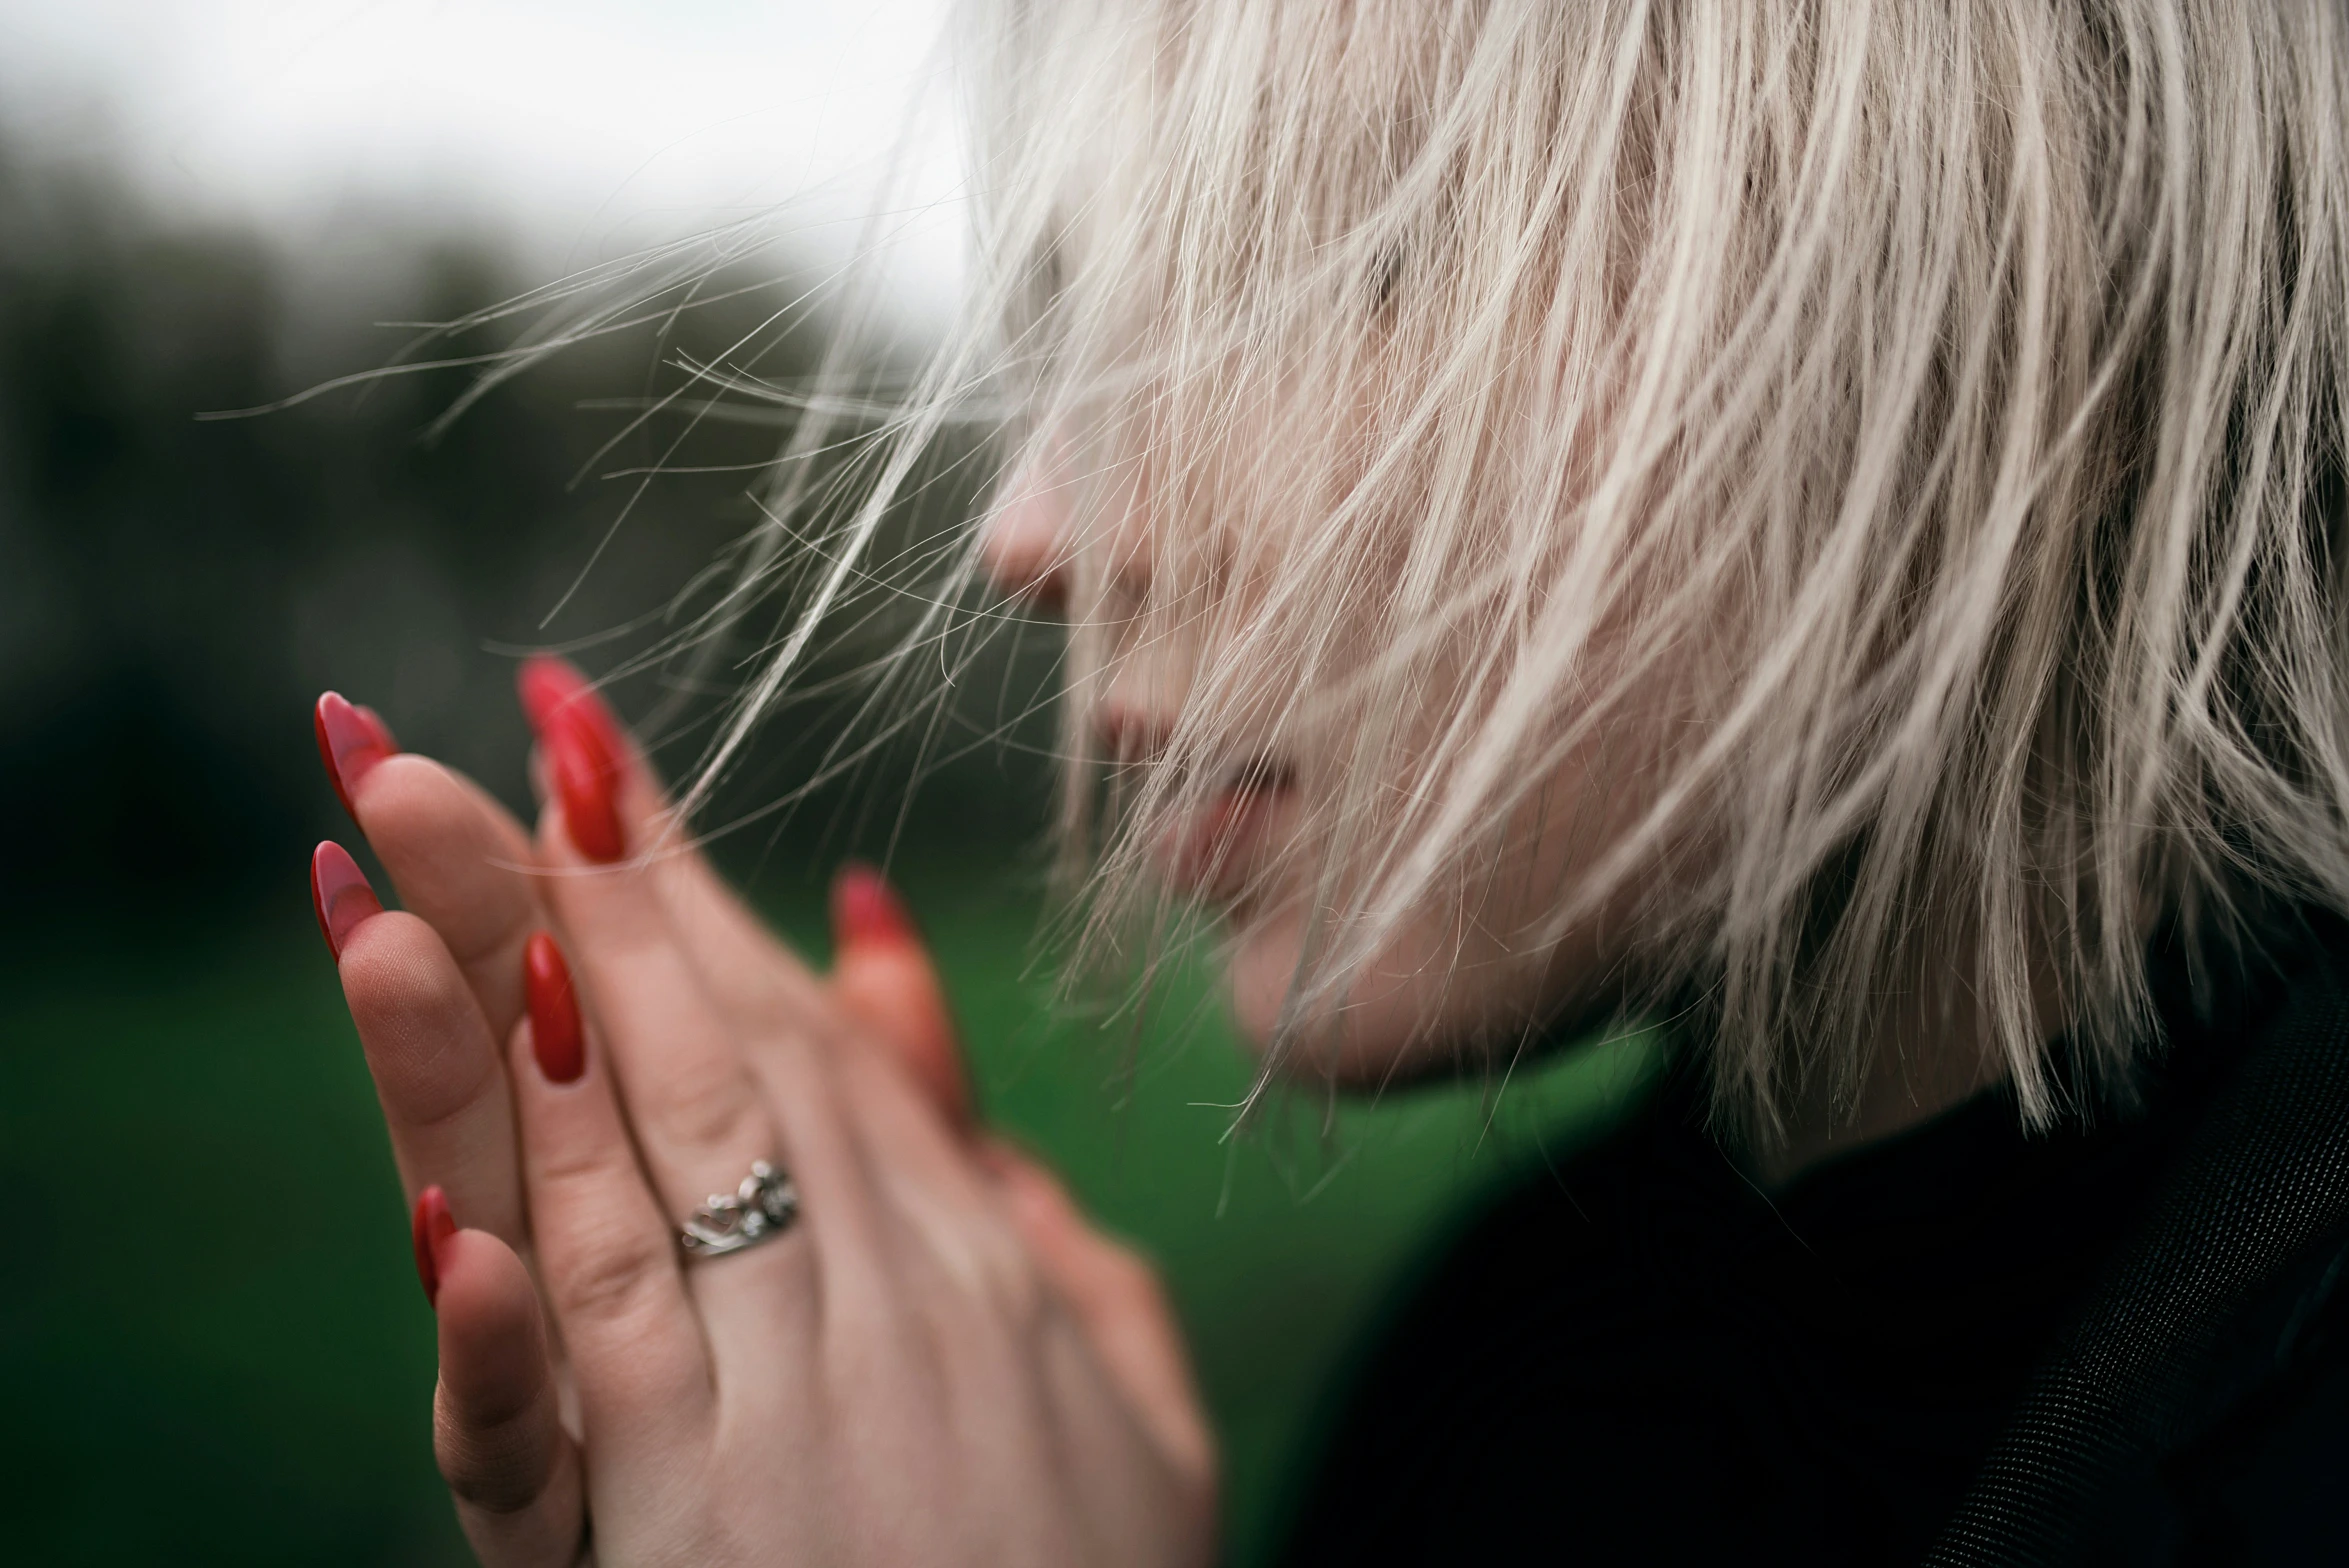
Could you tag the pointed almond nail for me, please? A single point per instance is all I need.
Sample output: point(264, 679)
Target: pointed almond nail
point(555, 1036)
point(429, 1230)
point(866, 909)
point(339, 894)
point(351, 740)
point(551, 688)
point(587, 784)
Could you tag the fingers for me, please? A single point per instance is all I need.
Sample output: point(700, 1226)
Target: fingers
point(1118, 1302)
point(683, 1062)
point(497, 1429)
point(690, 1096)
point(459, 859)
point(606, 1255)
point(700, 1123)
point(761, 983)
point(883, 977)
point(893, 1190)
point(909, 1098)
point(435, 1063)
point(602, 779)
point(678, 1065)
point(944, 1210)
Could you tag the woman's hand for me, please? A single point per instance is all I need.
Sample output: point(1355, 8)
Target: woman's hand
point(467, 870)
point(942, 1362)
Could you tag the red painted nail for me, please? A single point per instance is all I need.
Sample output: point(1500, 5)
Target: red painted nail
point(550, 687)
point(339, 894)
point(587, 784)
point(867, 910)
point(583, 748)
point(430, 1228)
point(351, 740)
point(555, 1036)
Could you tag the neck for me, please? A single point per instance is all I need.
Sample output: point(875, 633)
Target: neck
point(1901, 1091)
point(1931, 1060)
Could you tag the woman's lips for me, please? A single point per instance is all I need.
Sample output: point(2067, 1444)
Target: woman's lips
point(1211, 850)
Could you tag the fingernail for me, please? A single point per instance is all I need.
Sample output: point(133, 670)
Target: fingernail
point(555, 1036)
point(430, 1228)
point(339, 894)
point(580, 741)
point(586, 783)
point(351, 740)
point(550, 687)
point(867, 910)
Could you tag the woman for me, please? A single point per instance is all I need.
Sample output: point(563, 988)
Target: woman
point(1815, 520)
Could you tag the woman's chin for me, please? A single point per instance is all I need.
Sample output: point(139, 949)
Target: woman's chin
point(1386, 1034)
point(1409, 1018)
point(1263, 963)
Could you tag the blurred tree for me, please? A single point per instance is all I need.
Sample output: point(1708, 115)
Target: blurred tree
point(174, 591)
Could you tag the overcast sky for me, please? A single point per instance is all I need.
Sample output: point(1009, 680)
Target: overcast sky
point(585, 128)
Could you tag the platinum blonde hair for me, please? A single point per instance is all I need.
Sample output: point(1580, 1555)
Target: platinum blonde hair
point(1902, 442)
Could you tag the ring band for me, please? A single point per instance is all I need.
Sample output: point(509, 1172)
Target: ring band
point(762, 1208)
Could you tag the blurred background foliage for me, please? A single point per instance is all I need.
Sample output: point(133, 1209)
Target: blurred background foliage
point(211, 1349)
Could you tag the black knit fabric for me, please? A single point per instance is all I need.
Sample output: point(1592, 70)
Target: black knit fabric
point(2235, 1256)
point(2117, 1342)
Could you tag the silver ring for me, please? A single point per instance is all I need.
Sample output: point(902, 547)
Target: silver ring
point(762, 1208)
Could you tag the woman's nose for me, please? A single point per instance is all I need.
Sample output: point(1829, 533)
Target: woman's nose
point(1024, 547)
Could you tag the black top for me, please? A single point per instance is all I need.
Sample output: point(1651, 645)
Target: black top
point(2111, 1342)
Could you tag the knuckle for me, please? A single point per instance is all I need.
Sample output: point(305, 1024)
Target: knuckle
point(607, 1275)
point(493, 941)
point(617, 913)
point(409, 807)
point(443, 842)
point(1127, 1267)
point(1122, 1278)
point(1135, 1280)
point(708, 1104)
point(886, 1348)
point(581, 1172)
point(1013, 1281)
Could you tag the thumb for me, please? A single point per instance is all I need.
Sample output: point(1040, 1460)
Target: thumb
point(882, 976)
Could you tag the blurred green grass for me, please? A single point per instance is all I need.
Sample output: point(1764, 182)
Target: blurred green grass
point(212, 1348)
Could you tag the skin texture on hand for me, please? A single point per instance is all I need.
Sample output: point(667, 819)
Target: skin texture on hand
point(1018, 1387)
